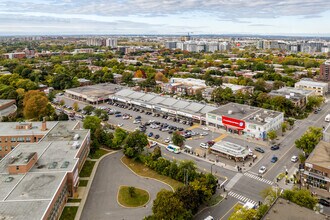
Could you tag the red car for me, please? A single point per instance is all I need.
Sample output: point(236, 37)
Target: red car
point(210, 143)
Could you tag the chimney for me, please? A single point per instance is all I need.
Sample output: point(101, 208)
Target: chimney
point(44, 125)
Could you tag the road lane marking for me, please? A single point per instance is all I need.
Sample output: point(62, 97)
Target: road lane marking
point(233, 181)
point(229, 210)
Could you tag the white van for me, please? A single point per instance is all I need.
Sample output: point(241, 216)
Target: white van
point(327, 118)
point(209, 218)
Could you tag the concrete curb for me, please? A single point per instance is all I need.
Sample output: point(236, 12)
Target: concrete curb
point(144, 176)
point(84, 198)
point(126, 207)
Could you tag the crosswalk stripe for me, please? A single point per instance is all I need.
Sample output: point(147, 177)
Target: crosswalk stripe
point(258, 178)
point(241, 197)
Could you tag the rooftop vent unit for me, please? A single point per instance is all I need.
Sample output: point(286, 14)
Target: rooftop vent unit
point(76, 137)
point(9, 179)
point(76, 144)
point(265, 112)
point(52, 165)
point(292, 94)
point(230, 112)
point(65, 164)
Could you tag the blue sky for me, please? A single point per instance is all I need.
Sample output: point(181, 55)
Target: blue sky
point(274, 17)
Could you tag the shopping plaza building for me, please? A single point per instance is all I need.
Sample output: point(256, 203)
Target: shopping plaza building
point(36, 179)
point(245, 120)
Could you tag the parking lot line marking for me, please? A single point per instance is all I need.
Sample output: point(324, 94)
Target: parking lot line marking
point(193, 127)
point(220, 137)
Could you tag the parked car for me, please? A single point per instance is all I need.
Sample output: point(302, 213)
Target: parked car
point(294, 159)
point(274, 159)
point(205, 128)
point(210, 143)
point(150, 134)
point(262, 170)
point(324, 202)
point(275, 147)
point(316, 112)
point(167, 140)
point(204, 133)
point(118, 115)
point(153, 144)
point(204, 145)
point(156, 136)
point(259, 149)
point(120, 125)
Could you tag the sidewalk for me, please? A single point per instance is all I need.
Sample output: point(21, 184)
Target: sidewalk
point(282, 183)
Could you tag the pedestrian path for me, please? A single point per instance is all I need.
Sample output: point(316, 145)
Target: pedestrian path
point(253, 176)
point(233, 181)
point(241, 198)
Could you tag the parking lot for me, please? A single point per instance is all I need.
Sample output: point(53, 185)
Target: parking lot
point(130, 123)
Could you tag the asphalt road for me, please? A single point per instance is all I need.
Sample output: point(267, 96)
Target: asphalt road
point(102, 203)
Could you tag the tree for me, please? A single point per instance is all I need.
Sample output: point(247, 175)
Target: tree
point(131, 191)
point(75, 106)
point(134, 144)
point(63, 117)
point(284, 126)
point(36, 105)
point(290, 121)
point(92, 123)
point(309, 139)
point(118, 137)
point(189, 197)
point(178, 139)
point(314, 101)
point(157, 153)
point(168, 206)
point(241, 213)
point(271, 135)
point(302, 197)
point(88, 109)
point(62, 102)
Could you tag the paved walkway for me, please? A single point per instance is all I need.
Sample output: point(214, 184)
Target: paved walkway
point(102, 203)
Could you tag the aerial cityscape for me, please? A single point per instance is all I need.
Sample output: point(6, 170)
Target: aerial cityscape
point(164, 110)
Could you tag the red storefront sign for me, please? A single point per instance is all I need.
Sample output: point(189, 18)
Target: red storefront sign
point(233, 122)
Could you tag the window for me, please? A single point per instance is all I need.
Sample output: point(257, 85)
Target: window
point(0, 148)
point(13, 139)
point(20, 139)
point(12, 147)
point(17, 167)
point(28, 139)
point(6, 148)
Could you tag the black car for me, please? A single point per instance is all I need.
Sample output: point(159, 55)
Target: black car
point(156, 136)
point(324, 202)
point(275, 147)
point(170, 132)
point(259, 149)
point(180, 129)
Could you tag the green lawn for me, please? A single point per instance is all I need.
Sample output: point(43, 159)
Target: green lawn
point(98, 154)
point(87, 168)
point(140, 197)
point(74, 200)
point(214, 200)
point(69, 213)
point(143, 170)
point(83, 183)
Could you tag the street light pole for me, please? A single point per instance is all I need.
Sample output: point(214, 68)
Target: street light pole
point(211, 167)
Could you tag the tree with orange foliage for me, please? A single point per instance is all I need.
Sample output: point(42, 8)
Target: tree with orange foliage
point(36, 105)
point(160, 77)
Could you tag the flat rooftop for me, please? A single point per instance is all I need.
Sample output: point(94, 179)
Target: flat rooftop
point(98, 90)
point(231, 149)
point(247, 113)
point(320, 155)
point(284, 210)
point(27, 196)
point(6, 101)
point(9, 128)
point(311, 83)
point(186, 106)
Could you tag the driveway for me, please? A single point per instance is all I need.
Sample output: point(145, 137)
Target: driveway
point(102, 203)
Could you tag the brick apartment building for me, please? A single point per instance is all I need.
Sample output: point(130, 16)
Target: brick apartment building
point(38, 178)
point(325, 71)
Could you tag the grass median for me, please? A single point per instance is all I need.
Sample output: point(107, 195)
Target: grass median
point(137, 198)
point(87, 168)
point(69, 213)
point(143, 170)
point(99, 153)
